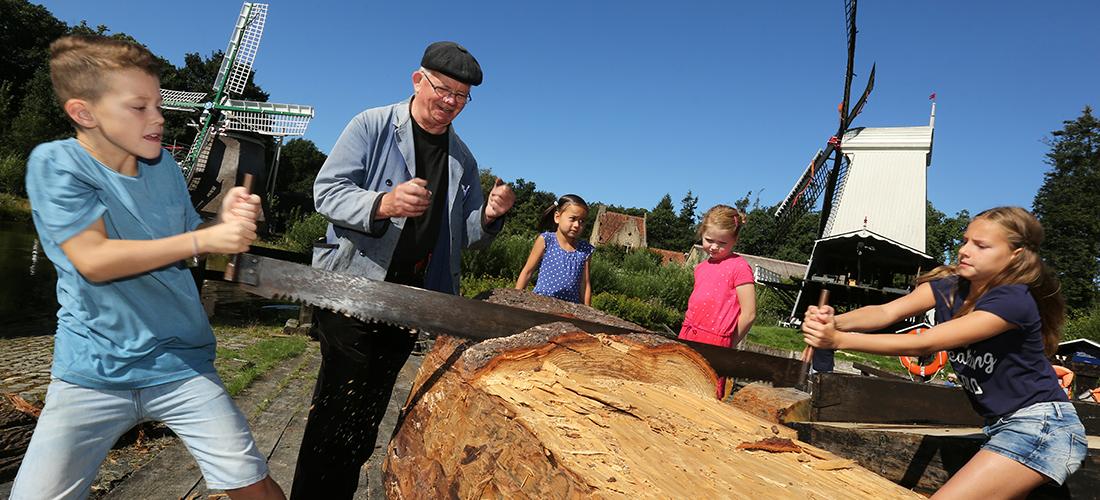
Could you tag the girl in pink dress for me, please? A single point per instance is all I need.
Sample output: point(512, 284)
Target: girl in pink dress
point(722, 306)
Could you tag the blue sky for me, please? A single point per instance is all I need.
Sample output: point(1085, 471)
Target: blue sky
point(622, 102)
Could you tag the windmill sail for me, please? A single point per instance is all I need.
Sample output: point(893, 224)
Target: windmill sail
point(804, 193)
point(267, 118)
point(243, 45)
point(221, 113)
point(179, 100)
point(821, 177)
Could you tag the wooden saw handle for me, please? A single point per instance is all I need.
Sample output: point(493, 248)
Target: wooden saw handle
point(231, 266)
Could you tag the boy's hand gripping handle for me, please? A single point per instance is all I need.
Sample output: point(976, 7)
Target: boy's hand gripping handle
point(808, 352)
point(231, 266)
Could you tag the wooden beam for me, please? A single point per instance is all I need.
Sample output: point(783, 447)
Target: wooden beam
point(839, 397)
point(924, 459)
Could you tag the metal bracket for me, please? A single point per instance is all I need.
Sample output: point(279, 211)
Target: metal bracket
point(248, 269)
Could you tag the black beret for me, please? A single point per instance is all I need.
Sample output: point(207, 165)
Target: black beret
point(452, 60)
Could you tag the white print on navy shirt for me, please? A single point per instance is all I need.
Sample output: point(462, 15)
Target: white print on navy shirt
point(984, 362)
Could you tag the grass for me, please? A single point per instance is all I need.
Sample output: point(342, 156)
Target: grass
point(247, 352)
point(791, 340)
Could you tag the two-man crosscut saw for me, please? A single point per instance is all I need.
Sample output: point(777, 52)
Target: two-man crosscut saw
point(439, 313)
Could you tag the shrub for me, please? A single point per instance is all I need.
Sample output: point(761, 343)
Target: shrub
point(504, 258)
point(770, 308)
point(14, 208)
point(13, 171)
point(472, 287)
point(648, 313)
point(304, 231)
point(641, 261)
point(669, 285)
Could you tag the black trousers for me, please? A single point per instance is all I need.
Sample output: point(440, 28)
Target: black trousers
point(359, 366)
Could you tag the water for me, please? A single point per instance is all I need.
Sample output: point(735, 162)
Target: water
point(27, 281)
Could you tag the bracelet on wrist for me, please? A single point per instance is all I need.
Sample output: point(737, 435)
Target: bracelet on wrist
point(194, 260)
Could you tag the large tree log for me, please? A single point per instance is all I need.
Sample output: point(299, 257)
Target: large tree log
point(556, 413)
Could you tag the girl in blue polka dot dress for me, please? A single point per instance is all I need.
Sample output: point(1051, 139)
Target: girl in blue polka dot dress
point(563, 273)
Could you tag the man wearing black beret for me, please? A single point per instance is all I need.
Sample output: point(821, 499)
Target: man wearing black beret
point(403, 196)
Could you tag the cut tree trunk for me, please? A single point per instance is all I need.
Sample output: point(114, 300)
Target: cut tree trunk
point(775, 404)
point(557, 413)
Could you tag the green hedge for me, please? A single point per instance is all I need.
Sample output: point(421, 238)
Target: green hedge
point(504, 258)
point(641, 278)
point(648, 313)
point(472, 287)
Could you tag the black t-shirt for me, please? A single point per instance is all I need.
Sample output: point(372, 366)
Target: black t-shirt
point(419, 235)
point(1008, 371)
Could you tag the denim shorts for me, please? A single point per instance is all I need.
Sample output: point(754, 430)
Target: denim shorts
point(1046, 437)
point(79, 425)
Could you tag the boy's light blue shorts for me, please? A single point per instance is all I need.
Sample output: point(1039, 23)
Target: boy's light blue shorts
point(79, 426)
point(1046, 437)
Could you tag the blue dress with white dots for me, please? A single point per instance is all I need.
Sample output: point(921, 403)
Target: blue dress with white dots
point(561, 270)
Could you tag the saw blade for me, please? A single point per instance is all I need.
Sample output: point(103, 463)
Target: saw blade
point(400, 305)
point(416, 309)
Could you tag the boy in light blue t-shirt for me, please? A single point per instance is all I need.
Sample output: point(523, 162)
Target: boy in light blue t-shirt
point(133, 343)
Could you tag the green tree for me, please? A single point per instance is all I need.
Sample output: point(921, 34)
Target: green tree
point(528, 209)
point(661, 226)
point(689, 206)
point(292, 198)
point(758, 236)
point(943, 234)
point(686, 221)
point(1068, 205)
point(39, 118)
point(299, 163)
point(26, 31)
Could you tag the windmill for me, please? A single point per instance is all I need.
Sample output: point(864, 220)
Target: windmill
point(871, 237)
point(818, 178)
point(222, 113)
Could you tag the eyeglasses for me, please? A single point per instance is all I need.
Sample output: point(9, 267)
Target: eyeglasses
point(443, 92)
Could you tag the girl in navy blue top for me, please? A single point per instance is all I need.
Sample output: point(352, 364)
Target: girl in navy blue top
point(999, 312)
point(563, 272)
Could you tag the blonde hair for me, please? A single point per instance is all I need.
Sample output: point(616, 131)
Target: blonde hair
point(1023, 231)
point(80, 64)
point(723, 218)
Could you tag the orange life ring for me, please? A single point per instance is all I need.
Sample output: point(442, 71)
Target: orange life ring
point(939, 360)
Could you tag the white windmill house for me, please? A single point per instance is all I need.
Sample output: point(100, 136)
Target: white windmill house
point(222, 114)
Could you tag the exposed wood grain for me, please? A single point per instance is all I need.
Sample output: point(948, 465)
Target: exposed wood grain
point(554, 413)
